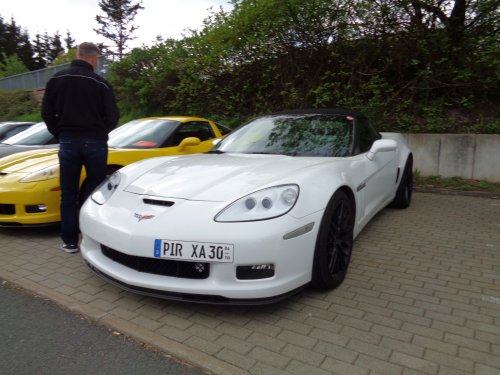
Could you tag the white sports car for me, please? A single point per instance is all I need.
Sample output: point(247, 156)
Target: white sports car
point(273, 207)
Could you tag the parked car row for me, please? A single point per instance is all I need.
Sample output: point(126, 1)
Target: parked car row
point(192, 213)
point(29, 185)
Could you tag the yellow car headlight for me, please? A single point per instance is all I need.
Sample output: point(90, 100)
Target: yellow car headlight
point(42, 175)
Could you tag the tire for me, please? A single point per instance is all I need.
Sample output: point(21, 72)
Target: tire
point(334, 243)
point(405, 188)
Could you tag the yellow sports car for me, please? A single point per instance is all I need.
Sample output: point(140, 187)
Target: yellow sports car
point(29, 181)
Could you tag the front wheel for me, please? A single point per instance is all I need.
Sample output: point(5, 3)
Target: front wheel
point(334, 243)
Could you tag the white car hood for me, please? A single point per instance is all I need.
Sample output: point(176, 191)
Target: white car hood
point(218, 177)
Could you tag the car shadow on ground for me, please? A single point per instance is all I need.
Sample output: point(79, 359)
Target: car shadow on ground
point(44, 231)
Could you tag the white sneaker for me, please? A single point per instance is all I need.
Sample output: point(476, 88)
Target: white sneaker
point(70, 248)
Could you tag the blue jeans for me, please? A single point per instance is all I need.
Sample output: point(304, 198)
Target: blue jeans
point(75, 153)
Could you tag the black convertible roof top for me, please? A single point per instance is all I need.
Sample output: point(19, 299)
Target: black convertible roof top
point(329, 111)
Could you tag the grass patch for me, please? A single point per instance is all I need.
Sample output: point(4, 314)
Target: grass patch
point(455, 183)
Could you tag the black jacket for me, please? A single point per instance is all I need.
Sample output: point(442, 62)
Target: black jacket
point(79, 102)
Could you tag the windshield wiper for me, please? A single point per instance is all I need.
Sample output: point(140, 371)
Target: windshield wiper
point(216, 152)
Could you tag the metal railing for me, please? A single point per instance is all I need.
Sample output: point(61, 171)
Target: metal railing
point(38, 78)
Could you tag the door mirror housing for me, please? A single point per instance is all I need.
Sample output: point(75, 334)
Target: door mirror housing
point(189, 141)
point(381, 145)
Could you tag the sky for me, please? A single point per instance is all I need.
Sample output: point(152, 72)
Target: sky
point(167, 18)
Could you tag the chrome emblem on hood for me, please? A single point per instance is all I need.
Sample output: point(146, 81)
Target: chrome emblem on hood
point(140, 217)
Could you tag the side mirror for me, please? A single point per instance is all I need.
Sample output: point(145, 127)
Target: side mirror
point(187, 142)
point(382, 145)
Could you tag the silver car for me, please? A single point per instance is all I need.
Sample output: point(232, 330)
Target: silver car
point(35, 137)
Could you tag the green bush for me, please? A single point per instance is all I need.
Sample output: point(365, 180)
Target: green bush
point(18, 105)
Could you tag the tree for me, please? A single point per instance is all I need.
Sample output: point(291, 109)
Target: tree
point(40, 51)
point(117, 24)
point(15, 41)
point(11, 65)
point(413, 65)
point(55, 47)
point(69, 41)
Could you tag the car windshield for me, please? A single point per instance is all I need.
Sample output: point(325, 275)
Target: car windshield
point(37, 134)
point(142, 134)
point(297, 135)
point(9, 129)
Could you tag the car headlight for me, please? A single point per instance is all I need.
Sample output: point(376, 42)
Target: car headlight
point(261, 205)
point(42, 175)
point(106, 189)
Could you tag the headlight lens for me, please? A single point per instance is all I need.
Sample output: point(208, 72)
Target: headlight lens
point(261, 205)
point(42, 175)
point(106, 189)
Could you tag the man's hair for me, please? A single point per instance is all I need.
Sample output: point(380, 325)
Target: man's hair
point(87, 49)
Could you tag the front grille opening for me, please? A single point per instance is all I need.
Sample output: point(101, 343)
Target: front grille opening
point(7, 209)
point(158, 202)
point(164, 267)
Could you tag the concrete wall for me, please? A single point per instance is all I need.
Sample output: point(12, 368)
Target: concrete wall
point(473, 156)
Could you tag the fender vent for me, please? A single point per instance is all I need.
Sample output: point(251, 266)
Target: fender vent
point(157, 202)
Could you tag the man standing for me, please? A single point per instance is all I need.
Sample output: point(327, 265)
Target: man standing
point(79, 108)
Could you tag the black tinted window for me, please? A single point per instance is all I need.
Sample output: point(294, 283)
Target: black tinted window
point(366, 135)
point(201, 130)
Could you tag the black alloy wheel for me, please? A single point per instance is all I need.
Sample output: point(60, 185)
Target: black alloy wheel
point(334, 244)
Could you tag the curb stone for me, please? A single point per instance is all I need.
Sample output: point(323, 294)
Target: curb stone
point(483, 194)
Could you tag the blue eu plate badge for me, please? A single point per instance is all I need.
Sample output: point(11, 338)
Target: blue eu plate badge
point(157, 248)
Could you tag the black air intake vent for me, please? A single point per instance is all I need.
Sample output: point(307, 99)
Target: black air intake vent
point(157, 202)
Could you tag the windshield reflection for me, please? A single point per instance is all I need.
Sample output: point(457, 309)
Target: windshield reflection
point(296, 135)
point(142, 134)
point(37, 134)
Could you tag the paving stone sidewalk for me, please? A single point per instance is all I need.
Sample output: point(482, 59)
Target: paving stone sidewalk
point(422, 296)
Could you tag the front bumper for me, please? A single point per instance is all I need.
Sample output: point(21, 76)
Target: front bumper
point(255, 243)
point(32, 204)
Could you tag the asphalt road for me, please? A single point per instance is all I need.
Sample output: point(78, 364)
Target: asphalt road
point(38, 337)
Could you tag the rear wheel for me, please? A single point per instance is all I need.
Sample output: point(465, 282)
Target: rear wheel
point(405, 188)
point(334, 244)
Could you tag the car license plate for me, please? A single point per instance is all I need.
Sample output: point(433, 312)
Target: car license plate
point(194, 251)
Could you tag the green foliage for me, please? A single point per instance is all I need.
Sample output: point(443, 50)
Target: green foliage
point(65, 57)
point(11, 65)
point(412, 66)
point(35, 54)
point(14, 105)
point(403, 63)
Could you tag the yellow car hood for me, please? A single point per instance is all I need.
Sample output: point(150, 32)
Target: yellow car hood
point(29, 161)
